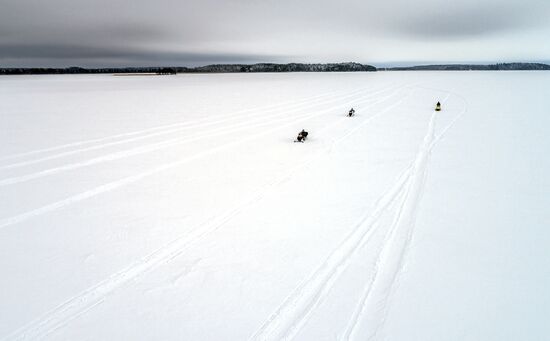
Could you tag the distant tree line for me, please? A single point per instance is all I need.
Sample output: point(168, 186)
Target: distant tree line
point(217, 68)
point(474, 67)
point(80, 70)
point(271, 67)
point(292, 67)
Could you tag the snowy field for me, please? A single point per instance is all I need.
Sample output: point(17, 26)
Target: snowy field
point(179, 208)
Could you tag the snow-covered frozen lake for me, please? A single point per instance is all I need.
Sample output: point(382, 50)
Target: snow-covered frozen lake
point(179, 208)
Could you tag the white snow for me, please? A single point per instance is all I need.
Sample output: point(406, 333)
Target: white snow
point(179, 207)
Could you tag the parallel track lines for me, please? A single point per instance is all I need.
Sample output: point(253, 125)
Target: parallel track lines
point(136, 177)
point(85, 301)
point(156, 131)
point(372, 306)
point(257, 122)
point(294, 312)
point(151, 129)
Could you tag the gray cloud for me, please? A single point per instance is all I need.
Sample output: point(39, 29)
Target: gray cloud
point(469, 22)
point(63, 55)
point(204, 31)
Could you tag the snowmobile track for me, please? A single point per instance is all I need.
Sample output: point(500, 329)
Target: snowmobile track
point(294, 312)
point(166, 129)
point(387, 268)
point(255, 123)
point(373, 305)
point(93, 296)
point(134, 178)
point(177, 125)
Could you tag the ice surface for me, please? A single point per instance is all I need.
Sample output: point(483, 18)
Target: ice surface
point(179, 207)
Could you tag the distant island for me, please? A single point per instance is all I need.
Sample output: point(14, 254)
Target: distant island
point(272, 67)
point(473, 67)
point(215, 68)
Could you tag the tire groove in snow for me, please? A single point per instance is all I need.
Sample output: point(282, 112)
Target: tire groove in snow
point(372, 307)
point(152, 132)
point(137, 177)
point(237, 114)
point(258, 122)
point(295, 310)
point(93, 296)
point(389, 262)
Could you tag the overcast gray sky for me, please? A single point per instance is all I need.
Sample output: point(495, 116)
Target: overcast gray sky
point(197, 32)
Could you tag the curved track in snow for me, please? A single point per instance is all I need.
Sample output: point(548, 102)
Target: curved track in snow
point(86, 300)
point(103, 142)
point(167, 166)
point(373, 304)
point(295, 311)
point(256, 122)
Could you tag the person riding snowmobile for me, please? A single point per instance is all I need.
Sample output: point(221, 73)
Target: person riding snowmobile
point(302, 136)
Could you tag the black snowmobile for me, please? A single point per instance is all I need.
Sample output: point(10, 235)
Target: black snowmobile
point(302, 136)
point(438, 107)
point(351, 112)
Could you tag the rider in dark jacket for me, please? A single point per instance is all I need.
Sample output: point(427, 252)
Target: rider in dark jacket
point(302, 136)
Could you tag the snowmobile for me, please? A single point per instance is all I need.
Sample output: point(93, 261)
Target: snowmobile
point(302, 136)
point(351, 112)
point(438, 107)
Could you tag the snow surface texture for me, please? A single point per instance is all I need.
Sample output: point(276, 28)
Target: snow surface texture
point(179, 208)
